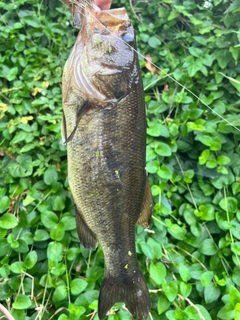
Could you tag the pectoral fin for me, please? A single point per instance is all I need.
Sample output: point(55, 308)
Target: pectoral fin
point(146, 210)
point(80, 111)
point(64, 129)
point(86, 236)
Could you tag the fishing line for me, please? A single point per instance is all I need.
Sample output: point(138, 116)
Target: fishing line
point(153, 64)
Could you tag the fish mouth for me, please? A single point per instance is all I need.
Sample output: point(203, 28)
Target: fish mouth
point(85, 80)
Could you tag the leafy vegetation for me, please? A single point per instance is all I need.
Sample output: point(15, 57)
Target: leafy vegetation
point(191, 253)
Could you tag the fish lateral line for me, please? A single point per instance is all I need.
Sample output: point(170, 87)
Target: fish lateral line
point(92, 5)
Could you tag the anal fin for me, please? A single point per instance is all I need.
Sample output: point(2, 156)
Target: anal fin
point(87, 237)
point(146, 210)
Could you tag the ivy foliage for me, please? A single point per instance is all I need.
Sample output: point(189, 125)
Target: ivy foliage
point(191, 253)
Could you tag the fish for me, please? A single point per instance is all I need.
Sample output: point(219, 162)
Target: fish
point(104, 128)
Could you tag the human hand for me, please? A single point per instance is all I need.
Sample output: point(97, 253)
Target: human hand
point(103, 4)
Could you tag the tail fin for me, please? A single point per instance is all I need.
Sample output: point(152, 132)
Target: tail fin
point(133, 292)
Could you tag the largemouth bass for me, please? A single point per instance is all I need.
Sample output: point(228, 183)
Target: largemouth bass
point(105, 131)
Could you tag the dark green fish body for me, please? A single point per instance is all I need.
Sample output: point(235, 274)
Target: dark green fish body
point(104, 128)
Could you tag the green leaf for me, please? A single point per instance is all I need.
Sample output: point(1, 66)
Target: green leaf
point(20, 136)
point(12, 241)
point(207, 60)
point(193, 312)
point(163, 149)
point(23, 247)
point(185, 289)
point(234, 296)
point(22, 167)
point(158, 272)
point(150, 154)
point(236, 276)
point(226, 312)
point(177, 232)
point(216, 145)
point(32, 21)
point(5, 291)
point(58, 203)
point(206, 278)
point(55, 251)
point(165, 172)
point(192, 126)
point(154, 42)
point(9, 73)
point(22, 302)
point(204, 156)
point(200, 40)
point(59, 294)
point(41, 235)
point(207, 212)
point(5, 203)
point(211, 293)
point(30, 260)
point(72, 253)
point(234, 82)
point(163, 304)
point(211, 163)
point(184, 272)
point(49, 219)
point(152, 166)
point(75, 311)
point(196, 52)
point(146, 249)
point(69, 222)
point(229, 204)
point(77, 286)
point(237, 312)
point(18, 314)
point(17, 267)
point(173, 129)
point(28, 200)
point(5, 247)
point(156, 249)
point(234, 6)
point(57, 232)
point(170, 290)
point(156, 190)
point(193, 65)
point(154, 130)
point(235, 248)
point(208, 247)
point(8, 221)
point(50, 176)
point(205, 139)
point(63, 317)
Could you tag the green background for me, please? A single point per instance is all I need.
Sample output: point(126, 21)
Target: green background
point(191, 252)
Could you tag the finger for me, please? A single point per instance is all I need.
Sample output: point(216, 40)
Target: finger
point(103, 4)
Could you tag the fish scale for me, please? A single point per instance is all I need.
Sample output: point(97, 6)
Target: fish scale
point(105, 132)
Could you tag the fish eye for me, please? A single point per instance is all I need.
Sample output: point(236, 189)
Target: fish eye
point(128, 37)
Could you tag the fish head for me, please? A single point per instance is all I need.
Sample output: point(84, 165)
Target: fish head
point(108, 59)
